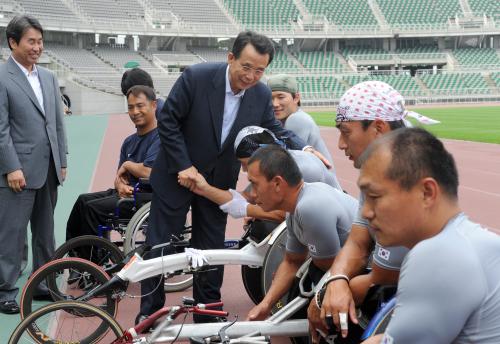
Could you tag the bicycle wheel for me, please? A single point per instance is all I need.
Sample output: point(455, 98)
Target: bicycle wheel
point(98, 250)
point(54, 277)
point(252, 280)
point(380, 320)
point(135, 235)
point(67, 322)
point(272, 260)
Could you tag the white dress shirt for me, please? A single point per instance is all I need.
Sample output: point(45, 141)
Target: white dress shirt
point(34, 82)
point(231, 106)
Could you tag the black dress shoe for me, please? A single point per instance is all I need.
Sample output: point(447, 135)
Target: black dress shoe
point(9, 307)
point(42, 293)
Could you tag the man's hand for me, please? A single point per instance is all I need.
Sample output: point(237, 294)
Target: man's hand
point(259, 312)
point(185, 177)
point(16, 181)
point(199, 185)
point(124, 190)
point(315, 321)
point(64, 173)
point(338, 299)
point(319, 155)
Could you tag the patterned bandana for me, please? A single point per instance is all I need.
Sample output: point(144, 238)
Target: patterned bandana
point(372, 100)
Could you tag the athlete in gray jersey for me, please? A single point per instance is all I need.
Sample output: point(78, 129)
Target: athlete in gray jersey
point(320, 209)
point(286, 105)
point(449, 285)
point(302, 124)
point(318, 218)
point(449, 288)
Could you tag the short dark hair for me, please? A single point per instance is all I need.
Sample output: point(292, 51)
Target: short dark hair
point(141, 89)
point(416, 154)
point(18, 26)
point(261, 43)
point(276, 161)
point(365, 123)
point(133, 77)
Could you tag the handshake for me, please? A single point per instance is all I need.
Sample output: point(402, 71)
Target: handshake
point(230, 201)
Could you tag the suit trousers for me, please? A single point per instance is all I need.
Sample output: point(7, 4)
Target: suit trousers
point(35, 206)
point(208, 232)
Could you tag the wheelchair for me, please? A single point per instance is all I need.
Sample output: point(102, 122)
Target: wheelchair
point(109, 253)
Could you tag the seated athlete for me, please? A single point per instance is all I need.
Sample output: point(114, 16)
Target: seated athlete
point(137, 155)
point(366, 111)
point(248, 140)
point(318, 219)
point(449, 285)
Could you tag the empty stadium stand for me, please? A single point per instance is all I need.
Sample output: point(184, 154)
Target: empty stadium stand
point(343, 13)
point(409, 12)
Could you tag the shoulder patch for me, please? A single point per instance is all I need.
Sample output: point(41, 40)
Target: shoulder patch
point(383, 253)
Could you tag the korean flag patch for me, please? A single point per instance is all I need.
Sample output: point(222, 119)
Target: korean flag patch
point(383, 253)
point(311, 248)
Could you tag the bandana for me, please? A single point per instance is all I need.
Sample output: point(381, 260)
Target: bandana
point(372, 100)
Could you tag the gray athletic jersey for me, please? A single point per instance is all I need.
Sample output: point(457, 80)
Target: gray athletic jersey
point(313, 170)
point(389, 258)
point(321, 221)
point(449, 288)
point(302, 124)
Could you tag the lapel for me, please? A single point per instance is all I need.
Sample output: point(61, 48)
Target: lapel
point(45, 83)
point(20, 79)
point(216, 98)
point(244, 112)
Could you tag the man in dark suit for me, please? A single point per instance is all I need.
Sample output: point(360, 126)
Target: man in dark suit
point(208, 105)
point(32, 155)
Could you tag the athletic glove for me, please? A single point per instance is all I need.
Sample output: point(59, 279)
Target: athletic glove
point(237, 207)
point(196, 257)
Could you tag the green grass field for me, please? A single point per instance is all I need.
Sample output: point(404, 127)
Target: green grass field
point(481, 124)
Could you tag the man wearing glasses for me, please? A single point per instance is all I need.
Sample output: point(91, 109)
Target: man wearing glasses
point(208, 105)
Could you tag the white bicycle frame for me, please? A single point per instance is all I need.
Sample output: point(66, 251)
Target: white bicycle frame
point(276, 325)
point(252, 254)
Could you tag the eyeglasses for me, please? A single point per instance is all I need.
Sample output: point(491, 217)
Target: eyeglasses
point(248, 69)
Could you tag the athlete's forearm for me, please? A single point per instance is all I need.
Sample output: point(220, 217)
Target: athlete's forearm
point(353, 257)
point(258, 213)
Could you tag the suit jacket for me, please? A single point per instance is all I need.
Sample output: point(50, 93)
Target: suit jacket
point(190, 127)
point(28, 134)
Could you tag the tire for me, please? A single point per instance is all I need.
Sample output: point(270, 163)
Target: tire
point(272, 260)
point(55, 276)
point(101, 251)
point(252, 280)
point(135, 236)
point(380, 320)
point(88, 322)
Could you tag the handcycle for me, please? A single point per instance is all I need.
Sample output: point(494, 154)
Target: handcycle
point(253, 251)
point(96, 325)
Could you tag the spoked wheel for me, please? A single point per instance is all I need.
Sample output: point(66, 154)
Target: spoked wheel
point(67, 279)
point(135, 236)
point(98, 250)
point(273, 259)
point(67, 322)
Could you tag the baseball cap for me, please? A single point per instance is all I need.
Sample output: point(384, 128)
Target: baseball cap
point(283, 83)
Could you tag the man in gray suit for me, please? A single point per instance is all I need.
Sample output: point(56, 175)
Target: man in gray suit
point(32, 155)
